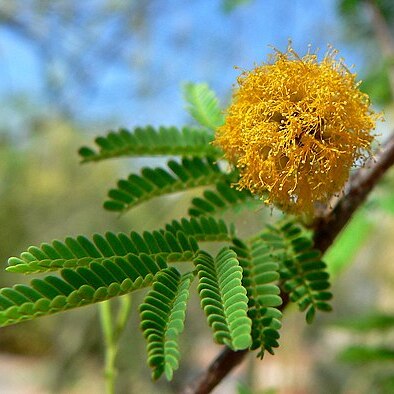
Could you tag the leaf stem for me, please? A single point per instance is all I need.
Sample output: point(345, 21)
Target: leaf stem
point(112, 330)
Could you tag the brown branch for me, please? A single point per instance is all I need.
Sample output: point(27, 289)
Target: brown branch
point(326, 228)
point(219, 368)
point(222, 365)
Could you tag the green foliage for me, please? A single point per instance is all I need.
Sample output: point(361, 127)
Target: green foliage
point(386, 384)
point(260, 273)
point(368, 323)
point(350, 241)
point(302, 273)
point(203, 105)
point(201, 229)
point(243, 389)
point(241, 289)
point(356, 7)
point(162, 320)
point(371, 348)
point(151, 142)
point(223, 298)
point(76, 288)
point(363, 19)
point(155, 182)
point(119, 249)
point(377, 85)
point(177, 242)
point(349, 6)
point(366, 354)
point(354, 237)
point(220, 200)
point(383, 199)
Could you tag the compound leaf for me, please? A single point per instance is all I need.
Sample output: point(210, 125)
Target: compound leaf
point(77, 287)
point(223, 198)
point(260, 274)
point(116, 248)
point(180, 176)
point(303, 274)
point(223, 298)
point(162, 320)
point(203, 105)
point(148, 141)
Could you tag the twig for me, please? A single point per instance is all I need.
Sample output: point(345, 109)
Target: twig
point(326, 228)
point(219, 368)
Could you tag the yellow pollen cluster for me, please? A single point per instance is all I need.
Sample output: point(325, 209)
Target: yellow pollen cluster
point(295, 128)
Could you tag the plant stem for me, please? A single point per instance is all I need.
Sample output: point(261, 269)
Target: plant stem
point(123, 315)
point(110, 346)
point(112, 331)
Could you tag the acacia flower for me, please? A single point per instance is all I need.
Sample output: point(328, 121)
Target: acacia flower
point(295, 128)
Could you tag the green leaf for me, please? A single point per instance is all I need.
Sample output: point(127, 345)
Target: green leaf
point(223, 298)
point(81, 286)
point(149, 141)
point(203, 105)
point(162, 320)
point(260, 272)
point(177, 242)
point(189, 173)
point(223, 198)
point(202, 229)
point(303, 275)
point(110, 248)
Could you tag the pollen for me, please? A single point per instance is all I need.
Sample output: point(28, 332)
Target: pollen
point(295, 128)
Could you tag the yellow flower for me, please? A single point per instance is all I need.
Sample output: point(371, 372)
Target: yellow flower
point(295, 128)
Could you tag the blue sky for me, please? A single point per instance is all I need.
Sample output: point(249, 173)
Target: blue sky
point(186, 40)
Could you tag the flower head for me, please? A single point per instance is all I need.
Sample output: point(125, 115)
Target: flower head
point(295, 128)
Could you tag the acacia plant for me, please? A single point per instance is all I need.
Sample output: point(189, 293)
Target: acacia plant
point(293, 131)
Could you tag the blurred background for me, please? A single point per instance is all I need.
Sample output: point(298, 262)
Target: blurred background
point(70, 70)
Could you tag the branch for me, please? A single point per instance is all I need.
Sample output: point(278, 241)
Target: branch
point(326, 228)
point(220, 367)
point(329, 225)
